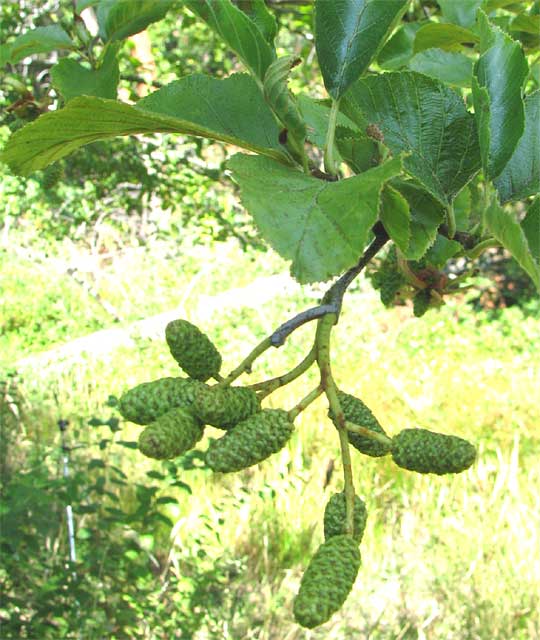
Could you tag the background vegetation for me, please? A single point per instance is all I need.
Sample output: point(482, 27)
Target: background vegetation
point(137, 228)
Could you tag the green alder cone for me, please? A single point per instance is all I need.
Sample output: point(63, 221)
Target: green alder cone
point(421, 302)
point(250, 441)
point(148, 401)
point(193, 350)
point(391, 283)
point(358, 413)
point(171, 435)
point(225, 407)
point(335, 517)
point(429, 452)
point(51, 176)
point(327, 581)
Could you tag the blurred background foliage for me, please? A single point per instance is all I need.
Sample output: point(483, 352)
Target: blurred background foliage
point(138, 226)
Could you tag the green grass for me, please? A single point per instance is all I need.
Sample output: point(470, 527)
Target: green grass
point(444, 557)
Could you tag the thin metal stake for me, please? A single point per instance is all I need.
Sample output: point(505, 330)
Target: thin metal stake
point(63, 425)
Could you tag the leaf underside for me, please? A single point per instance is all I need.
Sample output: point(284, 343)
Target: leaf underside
point(322, 227)
point(193, 105)
point(510, 234)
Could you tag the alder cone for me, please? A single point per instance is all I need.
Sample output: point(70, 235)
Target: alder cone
point(390, 285)
point(193, 350)
point(335, 517)
point(148, 401)
point(250, 441)
point(224, 407)
point(421, 302)
point(358, 413)
point(430, 452)
point(171, 435)
point(327, 581)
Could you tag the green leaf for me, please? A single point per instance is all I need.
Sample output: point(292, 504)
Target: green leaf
point(462, 209)
point(443, 36)
point(461, 12)
point(321, 226)
point(38, 40)
point(5, 54)
point(424, 118)
point(395, 216)
point(128, 444)
point(442, 250)
point(349, 34)
point(491, 5)
point(73, 79)
point(504, 228)
point(118, 19)
point(528, 24)
point(427, 214)
point(447, 66)
point(280, 98)
point(167, 500)
point(521, 176)
point(531, 228)
point(194, 105)
point(497, 84)
point(258, 13)
point(397, 52)
point(358, 152)
point(240, 33)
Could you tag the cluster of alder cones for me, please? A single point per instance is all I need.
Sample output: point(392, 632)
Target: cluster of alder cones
point(175, 411)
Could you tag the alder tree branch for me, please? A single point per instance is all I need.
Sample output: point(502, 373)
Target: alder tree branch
point(333, 298)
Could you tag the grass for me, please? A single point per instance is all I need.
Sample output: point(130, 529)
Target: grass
point(444, 557)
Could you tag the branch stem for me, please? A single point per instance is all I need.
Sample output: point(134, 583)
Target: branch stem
point(330, 164)
point(269, 386)
point(475, 252)
point(245, 365)
point(368, 433)
point(305, 402)
point(334, 295)
point(451, 221)
point(324, 330)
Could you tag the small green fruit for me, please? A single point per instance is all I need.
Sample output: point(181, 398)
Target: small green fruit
point(429, 452)
point(171, 435)
point(327, 581)
point(335, 517)
point(193, 350)
point(148, 401)
point(421, 302)
point(250, 441)
point(390, 285)
point(225, 407)
point(358, 413)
